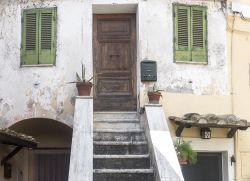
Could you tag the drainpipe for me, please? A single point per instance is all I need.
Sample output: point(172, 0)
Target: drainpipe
point(232, 94)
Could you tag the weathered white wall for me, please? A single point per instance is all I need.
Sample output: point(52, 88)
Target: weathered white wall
point(27, 92)
point(156, 43)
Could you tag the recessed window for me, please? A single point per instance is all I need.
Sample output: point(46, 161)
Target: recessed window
point(190, 33)
point(38, 36)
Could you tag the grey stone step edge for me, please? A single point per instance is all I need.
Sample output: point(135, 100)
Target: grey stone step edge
point(120, 156)
point(120, 142)
point(130, 171)
point(117, 121)
point(115, 115)
point(118, 131)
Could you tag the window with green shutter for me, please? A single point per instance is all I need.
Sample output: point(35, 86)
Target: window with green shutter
point(38, 36)
point(190, 33)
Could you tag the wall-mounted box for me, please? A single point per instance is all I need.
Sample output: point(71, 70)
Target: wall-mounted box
point(148, 70)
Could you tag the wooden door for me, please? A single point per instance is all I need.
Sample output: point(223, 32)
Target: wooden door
point(49, 165)
point(114, 50)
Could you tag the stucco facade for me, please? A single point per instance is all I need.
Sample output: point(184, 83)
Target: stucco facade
point(30, 92)
point(45, 89)
point(238, 46)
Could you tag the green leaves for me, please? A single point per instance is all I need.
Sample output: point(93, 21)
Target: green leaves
point(184, 151)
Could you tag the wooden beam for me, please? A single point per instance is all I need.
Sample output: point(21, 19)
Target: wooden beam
point(11, 140)
point(232, 132)
point(10, 155)
point(179, 130)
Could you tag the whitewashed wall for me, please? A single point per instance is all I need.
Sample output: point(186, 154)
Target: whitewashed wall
point(27, 92)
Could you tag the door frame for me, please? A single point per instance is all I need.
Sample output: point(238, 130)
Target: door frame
point(219, 156)
point(224, 146)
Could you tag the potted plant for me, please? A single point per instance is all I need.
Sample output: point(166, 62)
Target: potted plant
point(184, 152)
point(154, 95)
point(83, 86)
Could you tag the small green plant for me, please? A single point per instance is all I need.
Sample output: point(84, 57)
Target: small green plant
point(185, 152)
point(83, 86)
point(82, 78)
point(154, 89)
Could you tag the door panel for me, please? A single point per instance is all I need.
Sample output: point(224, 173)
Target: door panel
point(49, 165)
point(114, 53)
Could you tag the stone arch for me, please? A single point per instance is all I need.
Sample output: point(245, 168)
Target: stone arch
point(48, 132)
point(54, 143)
point(20, 119)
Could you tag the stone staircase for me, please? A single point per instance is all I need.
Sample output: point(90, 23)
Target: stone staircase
point(120, 148)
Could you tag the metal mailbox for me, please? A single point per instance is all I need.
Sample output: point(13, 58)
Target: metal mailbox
point(148, 70)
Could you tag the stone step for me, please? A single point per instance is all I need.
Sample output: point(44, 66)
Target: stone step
point(123, 175)
point(119, 135)
point(120, 148)
point(114, 124)
point(115, 115)
point(121, 161)
point(116, 120)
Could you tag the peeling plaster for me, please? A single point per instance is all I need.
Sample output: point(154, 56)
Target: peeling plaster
point(33, 92)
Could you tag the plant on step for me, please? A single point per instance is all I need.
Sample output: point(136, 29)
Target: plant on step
point(154, 95)
point(184, 152)
point(83, 86)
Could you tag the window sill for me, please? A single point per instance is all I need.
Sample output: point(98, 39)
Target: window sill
point(189, 62)
point(37, 65)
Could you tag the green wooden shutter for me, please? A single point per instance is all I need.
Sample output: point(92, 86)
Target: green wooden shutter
point(47, 36)
point(199, 34)
point(182, 33)
point(29, 50)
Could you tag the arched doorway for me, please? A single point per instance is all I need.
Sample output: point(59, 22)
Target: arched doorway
point(50, 161)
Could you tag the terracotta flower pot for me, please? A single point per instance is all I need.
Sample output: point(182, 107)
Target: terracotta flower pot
point(154, 97)
point(183, 161)
point(84, 88)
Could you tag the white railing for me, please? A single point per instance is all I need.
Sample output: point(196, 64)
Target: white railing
point(161, 145)
point(81, 159)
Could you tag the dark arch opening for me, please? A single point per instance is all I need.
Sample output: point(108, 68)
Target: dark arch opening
point(50, 161)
